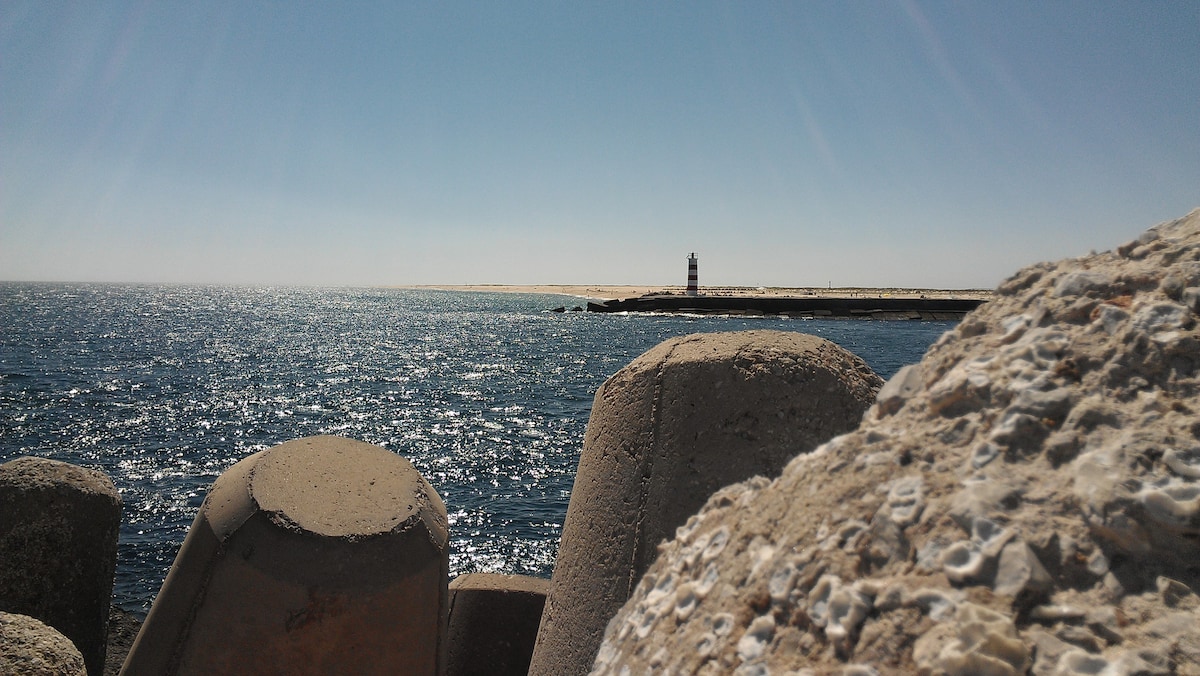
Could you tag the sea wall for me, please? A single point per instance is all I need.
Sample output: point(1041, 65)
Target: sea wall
point(1026, 499)
point(861, 307)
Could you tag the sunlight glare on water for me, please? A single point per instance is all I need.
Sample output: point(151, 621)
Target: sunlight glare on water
point(488, 395)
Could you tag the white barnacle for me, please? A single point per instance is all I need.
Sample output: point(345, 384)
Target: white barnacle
point(685, 601)
point(707, 581)
point(981, 641)
point(1185, 463)
point(722, 624)
point(906, 500)
point(937, 603)
point(836, 607)
point(983, 454)
point(758, 635)
point(990, 535)
point(664, 589)
point(1161, 320)
point(754, 669)
point(647, 621)
point(1173, 504)
point(781, 582)
point(962, 561)
point(1111, 318)
point(716, 544)
point(761, 555)
point(1013, 326)
point(684, 533)
point(1079, 662)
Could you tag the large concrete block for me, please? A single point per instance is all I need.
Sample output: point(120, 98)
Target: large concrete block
point(58, 549)
point(321, 555)
point(29, 647)
point(493, 623)
point(684, 419)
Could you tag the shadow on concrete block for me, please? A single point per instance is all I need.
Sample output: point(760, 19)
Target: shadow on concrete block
point(58, 549)
point(493, 623)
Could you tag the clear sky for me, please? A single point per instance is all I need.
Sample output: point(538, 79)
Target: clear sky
point(909, 143)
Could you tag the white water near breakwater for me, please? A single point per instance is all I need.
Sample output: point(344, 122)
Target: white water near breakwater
point(487, 394)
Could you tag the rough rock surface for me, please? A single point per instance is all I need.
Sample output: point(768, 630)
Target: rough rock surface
point(30, 647)
point(1024, 500)
point(689, 416)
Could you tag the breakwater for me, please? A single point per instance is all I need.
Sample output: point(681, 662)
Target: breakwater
point(857, 307)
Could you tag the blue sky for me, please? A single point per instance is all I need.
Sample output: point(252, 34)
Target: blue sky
point(789, 144)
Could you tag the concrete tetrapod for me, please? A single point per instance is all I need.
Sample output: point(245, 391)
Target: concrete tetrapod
point(493, 623)
point(58, 549)
point(320, 555)
point(29, 647)
point(684, 419)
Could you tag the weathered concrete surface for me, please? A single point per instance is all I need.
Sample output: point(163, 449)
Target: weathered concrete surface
point(493, 623)
point(1025, 500)
point(687, 417)
point(58, 548)
point(320, 555)
point(29, 647)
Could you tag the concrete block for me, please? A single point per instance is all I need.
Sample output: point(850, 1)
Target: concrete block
point(321, 555)
point(29, 647)
point(682, 420)
point(59, 525)
point(493, 623)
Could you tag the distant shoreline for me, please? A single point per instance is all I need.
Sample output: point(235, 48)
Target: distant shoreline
point(612, 292)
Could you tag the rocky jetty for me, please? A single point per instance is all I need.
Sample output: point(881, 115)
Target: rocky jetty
point(1026, 499)
point(862, 307)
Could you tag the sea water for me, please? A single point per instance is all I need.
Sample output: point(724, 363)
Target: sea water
point(488, 395)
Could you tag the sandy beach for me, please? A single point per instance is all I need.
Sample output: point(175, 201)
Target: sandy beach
point(609, 292)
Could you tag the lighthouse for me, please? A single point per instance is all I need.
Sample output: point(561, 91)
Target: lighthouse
point(693, 279)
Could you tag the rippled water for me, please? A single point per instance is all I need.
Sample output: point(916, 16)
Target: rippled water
point(164, 387)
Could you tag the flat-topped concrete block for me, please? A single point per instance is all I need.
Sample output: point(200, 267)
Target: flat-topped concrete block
point(29, 647)
point(493, 623)
point(321, 555)
point(681, 421)
point(58, 549)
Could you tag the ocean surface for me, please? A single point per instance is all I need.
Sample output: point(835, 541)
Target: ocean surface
point(488, 395)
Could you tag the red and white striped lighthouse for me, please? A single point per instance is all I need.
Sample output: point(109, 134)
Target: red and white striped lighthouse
point(693, 277)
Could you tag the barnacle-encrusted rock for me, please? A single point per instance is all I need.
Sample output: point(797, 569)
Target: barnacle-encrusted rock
point(1025, 500)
